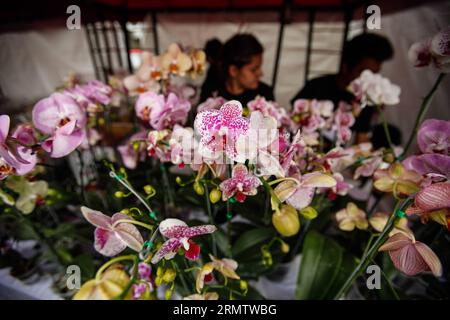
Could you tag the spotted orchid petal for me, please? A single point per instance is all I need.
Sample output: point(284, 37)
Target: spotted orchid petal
point(168, 250)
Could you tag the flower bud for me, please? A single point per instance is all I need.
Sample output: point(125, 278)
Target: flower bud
point(198, 188)
point(169, 275)
point(284, 247)
point(119, 194)
point(243, 285)
point(215, 195)
point(125, 211)
point(309, 213)
point(286, 221)
point(168, 294)
point(148, 189)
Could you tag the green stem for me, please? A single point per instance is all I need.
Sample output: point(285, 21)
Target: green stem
point(211, 220)
point(374, 249)
point(368, 244)
point(183, 281)
point(167, 185)
point(386, 129)
point(125, 183)
point(422, 112)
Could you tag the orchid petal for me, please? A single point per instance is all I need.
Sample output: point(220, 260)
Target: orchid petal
point(96, 218)
point(172, 228)
point(167, 250)
point(107, 243)
point(430, 258)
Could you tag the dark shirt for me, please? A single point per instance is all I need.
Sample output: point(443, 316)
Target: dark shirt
point(263, 90)
point(326, 88)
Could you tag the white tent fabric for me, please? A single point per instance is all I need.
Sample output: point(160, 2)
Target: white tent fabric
point(34, 63)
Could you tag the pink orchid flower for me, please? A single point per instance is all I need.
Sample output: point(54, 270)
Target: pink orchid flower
point(300, 193)
point(14, 157)
point(162, 113)
point(146, 77)
point(62, 118)
point(296, 149)
point(173, 111)
point(182, 145)
point(211, 103)
point(146, 102)
point(343, 120)
point(133, 150)
point(158, 145)
point(241, 184)
point(219, 129)
point(432, 164)
point(179, 235)
point(435, 50)
point(434, 136)
point(341, 188)
point(89, 95)
point(310, 115)
point(410, 256)
point(260, 145)
point(270, 109)
point(113, 234)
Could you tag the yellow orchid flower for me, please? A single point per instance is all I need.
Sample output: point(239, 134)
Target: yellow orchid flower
point(351, 217)
point(379, 219)
point(397, 179)
point(108, 286)
point(225, 266)
point(174, 61)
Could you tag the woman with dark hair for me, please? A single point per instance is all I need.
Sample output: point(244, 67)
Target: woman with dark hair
point(240, 72)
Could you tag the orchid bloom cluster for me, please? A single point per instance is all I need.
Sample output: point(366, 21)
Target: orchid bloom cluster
point(424, 177)
point(114, 234)
point(173, 62)
point(63, 117)
point(316, 117)
point(371, 89)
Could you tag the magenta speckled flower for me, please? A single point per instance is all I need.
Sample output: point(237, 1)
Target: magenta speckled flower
point(179, 235)
point(241, 184)
point(219, 129)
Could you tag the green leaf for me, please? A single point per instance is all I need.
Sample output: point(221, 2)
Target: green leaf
point(250, 239)
point(324, 268)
